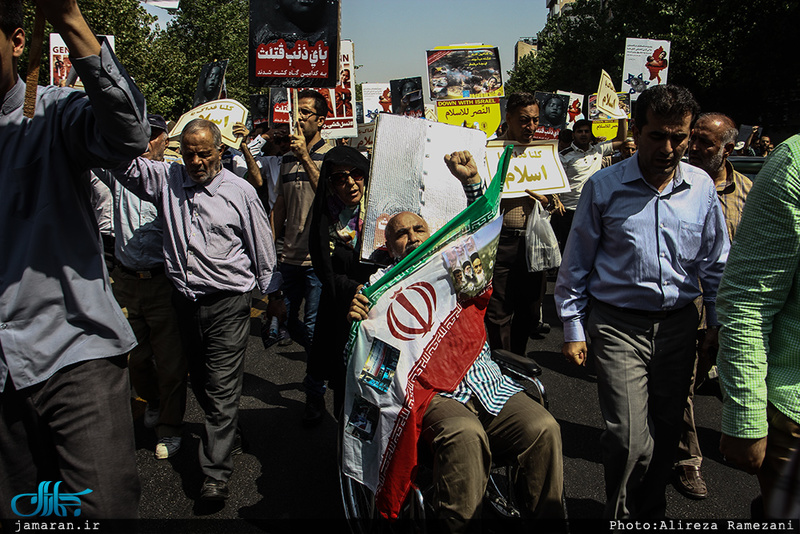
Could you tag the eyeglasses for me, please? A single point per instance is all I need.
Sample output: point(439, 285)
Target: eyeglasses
point(340, 177)
point(306, 112)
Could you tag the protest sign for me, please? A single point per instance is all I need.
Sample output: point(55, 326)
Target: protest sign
point(534, 166)
point(210, 82)
point(646, 64)
point(366, 135)
point(408, 173)
point(477, 113)
point(377, 98)
point(60, 64)
point(423, 332)
point(607, 99)
point(574, 108)
point(294, 44)
point(552, 109)
point(596, 114)
point(605, 129)
point(407, 97)
point(341, 119)
point(223, 113)
point(464, 71)
point(259, 110)
point(280, 109)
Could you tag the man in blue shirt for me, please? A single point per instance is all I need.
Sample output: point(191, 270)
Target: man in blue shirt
point(65, 412)
point(645, 232)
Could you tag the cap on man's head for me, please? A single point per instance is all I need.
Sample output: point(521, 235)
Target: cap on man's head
point(157, 122)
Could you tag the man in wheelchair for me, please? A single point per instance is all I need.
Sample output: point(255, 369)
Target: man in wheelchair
point(487, 416)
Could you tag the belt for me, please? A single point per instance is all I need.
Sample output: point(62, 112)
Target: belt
point(144, 274)
point(513, 232)
point(661, 314)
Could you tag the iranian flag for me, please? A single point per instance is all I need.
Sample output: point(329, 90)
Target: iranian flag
point(424, 331)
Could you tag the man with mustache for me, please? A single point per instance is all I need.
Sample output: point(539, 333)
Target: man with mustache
point(217, 246)
point(647, 232)
point(713, 138)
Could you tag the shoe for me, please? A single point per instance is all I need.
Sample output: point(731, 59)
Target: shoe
point(314, 410)
point(690, 482)
point(167, 447)
point(214, 490)
point(151, 415)
point(284, 337)
point(270, 334)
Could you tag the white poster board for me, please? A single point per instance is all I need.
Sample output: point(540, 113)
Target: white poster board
point(646, 64)
point(534, 166)
point(377, 98)
point(408, 173)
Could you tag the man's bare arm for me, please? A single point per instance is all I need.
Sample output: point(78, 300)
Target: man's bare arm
point(253, 171)
point(300, 150)
point(622, 134)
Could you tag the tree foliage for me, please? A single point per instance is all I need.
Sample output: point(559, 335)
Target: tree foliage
point(733, 55)
point(202, 31)
point(166, 62)
point(125, 19)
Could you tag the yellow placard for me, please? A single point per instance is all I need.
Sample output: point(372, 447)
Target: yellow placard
point(605, 128)
point(535, 166)
point(477, 113)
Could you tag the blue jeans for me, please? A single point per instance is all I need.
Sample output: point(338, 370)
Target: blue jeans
point(298, 283)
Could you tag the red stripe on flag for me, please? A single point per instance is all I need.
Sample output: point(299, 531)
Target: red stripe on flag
point(441, 367)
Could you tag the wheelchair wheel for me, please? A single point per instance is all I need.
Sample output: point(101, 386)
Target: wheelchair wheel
point(362, 515)
point(500, 496)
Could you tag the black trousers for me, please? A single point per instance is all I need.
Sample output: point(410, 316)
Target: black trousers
point(76, 427)
point(214, 331)
point(513, 310)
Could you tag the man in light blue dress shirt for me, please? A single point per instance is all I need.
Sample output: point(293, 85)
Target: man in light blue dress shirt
point(645, 232)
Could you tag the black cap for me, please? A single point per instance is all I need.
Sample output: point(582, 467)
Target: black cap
point(157, 122)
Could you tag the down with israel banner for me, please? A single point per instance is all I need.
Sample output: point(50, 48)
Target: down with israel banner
point(423, 332)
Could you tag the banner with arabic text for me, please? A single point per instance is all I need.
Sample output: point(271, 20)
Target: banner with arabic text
point(534, 166)
point(293, 44)
point(223, 113)
point(477, 113)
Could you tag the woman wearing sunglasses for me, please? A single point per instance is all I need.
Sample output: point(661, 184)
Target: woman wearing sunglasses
point(336, 226)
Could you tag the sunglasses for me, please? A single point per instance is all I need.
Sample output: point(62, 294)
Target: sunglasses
point(340, 177)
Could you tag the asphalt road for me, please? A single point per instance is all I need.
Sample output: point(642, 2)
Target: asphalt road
point(287, 476)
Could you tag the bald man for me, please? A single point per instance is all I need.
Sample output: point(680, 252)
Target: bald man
point(487, 416)
point(712, 141)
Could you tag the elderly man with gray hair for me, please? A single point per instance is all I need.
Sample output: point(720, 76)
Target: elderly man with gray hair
point(217, 246)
